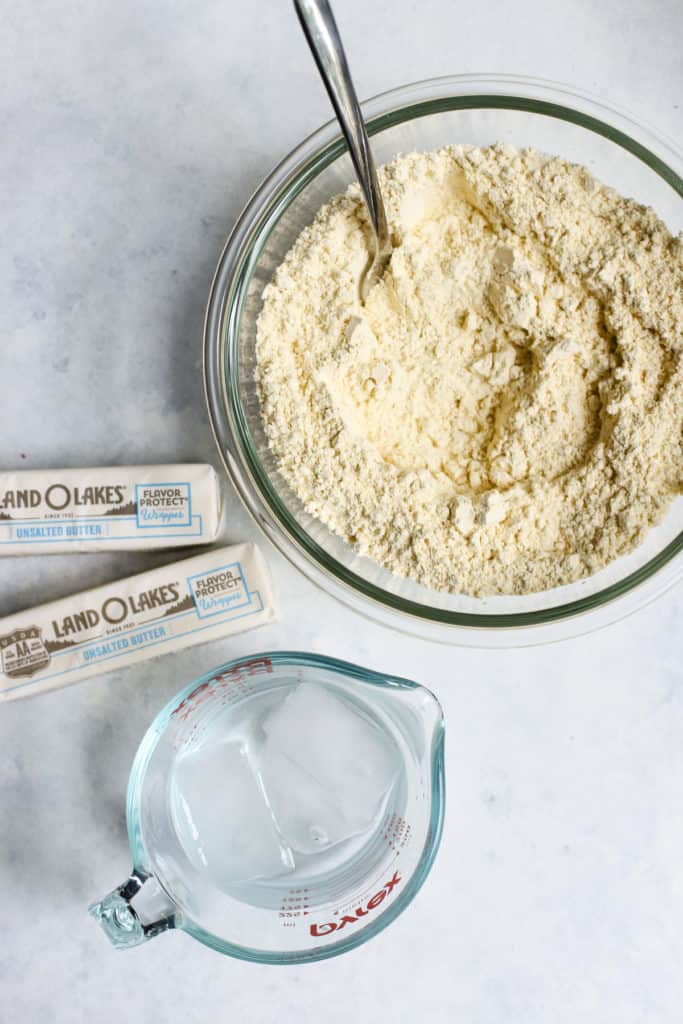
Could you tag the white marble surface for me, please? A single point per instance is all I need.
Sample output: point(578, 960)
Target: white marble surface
point(131, 136)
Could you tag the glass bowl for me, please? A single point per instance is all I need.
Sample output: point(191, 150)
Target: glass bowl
point(473, 109)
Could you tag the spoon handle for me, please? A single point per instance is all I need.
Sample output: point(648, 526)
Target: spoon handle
point(323, 38)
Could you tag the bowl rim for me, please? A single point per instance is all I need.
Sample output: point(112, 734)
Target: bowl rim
point(221, 327)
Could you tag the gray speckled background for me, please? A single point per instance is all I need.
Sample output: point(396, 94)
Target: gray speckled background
point(132, 134)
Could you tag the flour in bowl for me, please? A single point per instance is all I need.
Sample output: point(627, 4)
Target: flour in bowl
point(504, 413)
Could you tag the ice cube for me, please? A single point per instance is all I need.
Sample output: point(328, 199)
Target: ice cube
point(350, 758)
point(306, 815)
point(222, 818)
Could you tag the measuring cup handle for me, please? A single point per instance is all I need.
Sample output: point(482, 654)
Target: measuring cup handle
point(126, 925)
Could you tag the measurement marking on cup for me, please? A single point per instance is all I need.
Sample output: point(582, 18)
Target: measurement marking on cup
point(235, 678)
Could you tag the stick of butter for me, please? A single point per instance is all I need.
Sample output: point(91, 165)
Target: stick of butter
point(224, 591)
point(53, 510)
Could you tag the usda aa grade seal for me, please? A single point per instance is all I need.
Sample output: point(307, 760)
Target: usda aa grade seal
point(23, 652)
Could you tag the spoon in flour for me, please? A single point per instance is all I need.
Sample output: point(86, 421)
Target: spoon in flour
point(323, 38)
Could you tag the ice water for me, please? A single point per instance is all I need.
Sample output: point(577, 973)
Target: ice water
point(287, 786)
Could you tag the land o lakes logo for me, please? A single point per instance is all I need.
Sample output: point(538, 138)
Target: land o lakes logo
point(23, 652)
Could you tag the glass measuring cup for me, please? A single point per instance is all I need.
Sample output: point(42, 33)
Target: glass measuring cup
point(294, 918)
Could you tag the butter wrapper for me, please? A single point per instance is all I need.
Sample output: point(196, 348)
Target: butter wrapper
point(208, 597)
point(58, 510)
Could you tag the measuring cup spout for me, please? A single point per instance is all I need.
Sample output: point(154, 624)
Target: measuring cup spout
point(136, 911)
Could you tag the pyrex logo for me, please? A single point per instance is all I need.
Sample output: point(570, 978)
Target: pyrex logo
point(319, 930)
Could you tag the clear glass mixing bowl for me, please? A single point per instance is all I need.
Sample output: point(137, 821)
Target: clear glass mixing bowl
point(472, 109)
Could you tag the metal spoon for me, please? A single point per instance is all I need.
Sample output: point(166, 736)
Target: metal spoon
point(323, 38)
